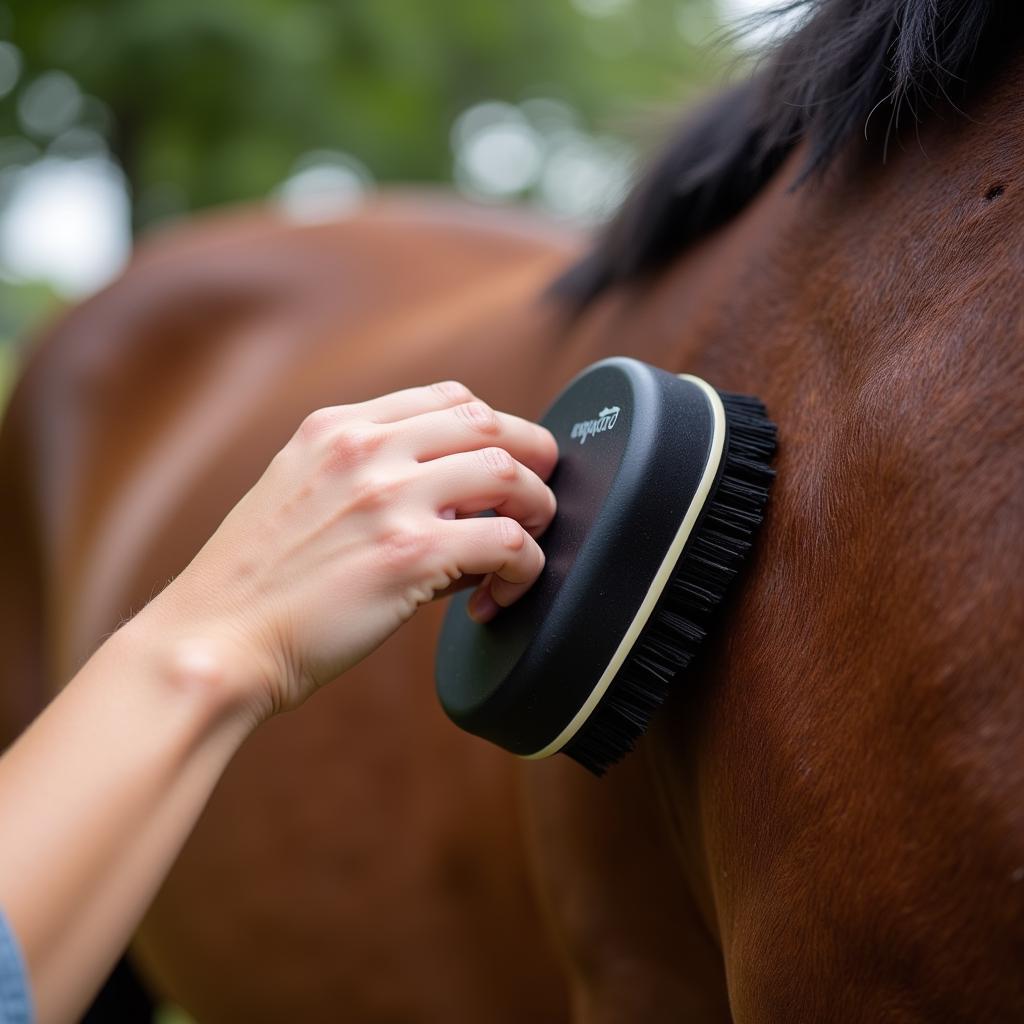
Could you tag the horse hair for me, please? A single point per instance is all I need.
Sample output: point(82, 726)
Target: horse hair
point(852, 66)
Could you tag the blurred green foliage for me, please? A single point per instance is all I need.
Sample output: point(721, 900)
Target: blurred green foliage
point(214, 100)
point(22, 304)
point(203, 102)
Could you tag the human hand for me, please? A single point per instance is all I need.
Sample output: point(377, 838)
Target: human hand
point(367, 513)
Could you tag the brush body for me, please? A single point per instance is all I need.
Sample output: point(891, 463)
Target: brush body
point(660, 483)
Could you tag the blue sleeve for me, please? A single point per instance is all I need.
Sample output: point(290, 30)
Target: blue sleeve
point(15, 998)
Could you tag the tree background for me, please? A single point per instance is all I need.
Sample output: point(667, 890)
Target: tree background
point(187, 104)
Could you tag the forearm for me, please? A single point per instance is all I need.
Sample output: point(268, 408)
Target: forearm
point(366, 513)
point(142, 735)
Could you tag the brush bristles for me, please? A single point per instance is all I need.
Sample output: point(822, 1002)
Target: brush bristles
point(712, 558)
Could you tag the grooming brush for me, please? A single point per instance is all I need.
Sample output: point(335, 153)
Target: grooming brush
point(661, 483)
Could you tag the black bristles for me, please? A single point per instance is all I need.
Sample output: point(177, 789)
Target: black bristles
point(710, 561)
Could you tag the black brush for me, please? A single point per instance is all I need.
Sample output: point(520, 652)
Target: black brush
point(661, 483)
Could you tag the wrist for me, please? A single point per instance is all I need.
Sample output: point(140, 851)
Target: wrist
point(205, 671)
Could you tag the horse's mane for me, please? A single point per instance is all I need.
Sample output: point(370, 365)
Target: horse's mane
point(851, 67)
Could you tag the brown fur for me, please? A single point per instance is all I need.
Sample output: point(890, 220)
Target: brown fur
point(825, 825)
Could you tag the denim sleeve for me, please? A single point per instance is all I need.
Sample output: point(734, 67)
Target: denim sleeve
point(15, 998)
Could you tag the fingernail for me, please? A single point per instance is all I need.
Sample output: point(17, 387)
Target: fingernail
point(482, 607)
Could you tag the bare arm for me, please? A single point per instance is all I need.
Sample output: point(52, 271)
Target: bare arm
point(97, 798)
point(366, 514)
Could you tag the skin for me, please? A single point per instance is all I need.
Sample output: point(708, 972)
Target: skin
point(364, 516)
point(824, 823)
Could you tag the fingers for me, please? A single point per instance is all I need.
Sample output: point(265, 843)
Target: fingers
point(470, 482)
point(400, 405)
point(440, 451)
point(500, 547)
point(471, 425)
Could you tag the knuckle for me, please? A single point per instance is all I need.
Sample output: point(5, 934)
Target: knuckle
point(499, 463)
point(479, 416)
point(452, 391)
point(318, 422)
point(372, 493)
point(351, 446)
point(510, 534)
point(404, 545)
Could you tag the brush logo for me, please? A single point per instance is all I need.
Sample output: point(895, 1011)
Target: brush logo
point(605, 420)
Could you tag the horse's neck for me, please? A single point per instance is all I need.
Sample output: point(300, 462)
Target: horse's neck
point(848, 270)
point(877, 314)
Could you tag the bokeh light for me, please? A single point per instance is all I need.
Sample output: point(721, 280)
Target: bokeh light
point(66, 222)
point(49, 104)
point(323, 185)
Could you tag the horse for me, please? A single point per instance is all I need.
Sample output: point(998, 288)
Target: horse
point(824, 822)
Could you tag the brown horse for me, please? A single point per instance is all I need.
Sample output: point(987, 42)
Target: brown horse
point(827, 823)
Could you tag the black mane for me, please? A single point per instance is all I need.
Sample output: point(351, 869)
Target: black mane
point(852, 67)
